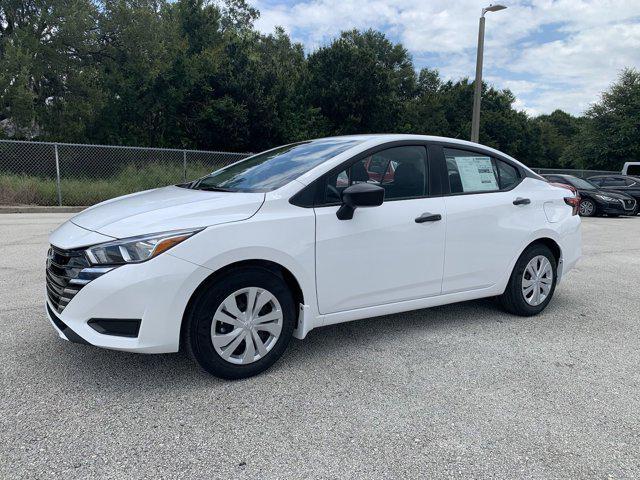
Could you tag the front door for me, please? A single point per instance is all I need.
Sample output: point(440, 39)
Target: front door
point(382, 255)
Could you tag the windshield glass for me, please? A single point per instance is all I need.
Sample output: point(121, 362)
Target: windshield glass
point(582, 184)
point(275, 168)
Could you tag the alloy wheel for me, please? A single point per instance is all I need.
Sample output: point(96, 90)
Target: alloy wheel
point(586, 208)
point(537, 280)
point(246, 325)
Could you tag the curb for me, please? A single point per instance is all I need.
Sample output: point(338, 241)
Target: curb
point(38, 209)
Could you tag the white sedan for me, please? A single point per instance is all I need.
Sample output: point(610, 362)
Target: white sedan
point(232, 265)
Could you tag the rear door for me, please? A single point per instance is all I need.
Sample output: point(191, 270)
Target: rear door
point(382, 255)
point(490, 213)
point(616, 184)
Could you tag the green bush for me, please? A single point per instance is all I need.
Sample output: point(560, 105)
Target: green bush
point(29, 190)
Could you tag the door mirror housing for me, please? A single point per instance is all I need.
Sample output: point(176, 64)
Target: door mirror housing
point(359, 195)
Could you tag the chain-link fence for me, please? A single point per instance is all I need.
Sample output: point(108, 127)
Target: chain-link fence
point(42, 173)
point(574, 172)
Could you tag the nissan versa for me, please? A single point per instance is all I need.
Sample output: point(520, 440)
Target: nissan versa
point(232, 265)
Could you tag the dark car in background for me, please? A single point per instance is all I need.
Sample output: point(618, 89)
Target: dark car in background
point(618, 183)
point(595, 200)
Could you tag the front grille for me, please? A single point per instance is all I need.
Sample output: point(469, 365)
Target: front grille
point(64, 277)
point(629, 204)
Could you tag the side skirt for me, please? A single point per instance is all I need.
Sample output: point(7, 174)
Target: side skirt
point(390, 308)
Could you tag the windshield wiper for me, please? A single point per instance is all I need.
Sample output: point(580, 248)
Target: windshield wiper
point(210, 188)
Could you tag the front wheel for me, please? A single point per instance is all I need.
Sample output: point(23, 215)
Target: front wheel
point(532, 282)
point(587, 208)
point(239, 325)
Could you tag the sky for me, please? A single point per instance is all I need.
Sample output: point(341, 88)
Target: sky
point(549, 53)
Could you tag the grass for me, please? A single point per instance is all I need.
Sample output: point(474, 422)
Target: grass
point(18, 189)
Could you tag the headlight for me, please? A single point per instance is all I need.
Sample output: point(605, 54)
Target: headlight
point(136, 249)
point(607, 199)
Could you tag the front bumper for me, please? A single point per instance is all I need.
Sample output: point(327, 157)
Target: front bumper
point(618, 208)
point(155, 292)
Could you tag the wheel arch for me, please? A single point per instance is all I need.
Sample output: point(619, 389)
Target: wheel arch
point(551, 244)
point(288, 277)
point(544, 237)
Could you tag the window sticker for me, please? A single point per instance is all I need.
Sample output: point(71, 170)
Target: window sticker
point(476, 174)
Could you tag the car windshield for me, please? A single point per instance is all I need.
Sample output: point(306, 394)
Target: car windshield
point(582, 184)
point(272, 169)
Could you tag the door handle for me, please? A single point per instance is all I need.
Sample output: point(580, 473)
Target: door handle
point(521, 201)
point(428, 217)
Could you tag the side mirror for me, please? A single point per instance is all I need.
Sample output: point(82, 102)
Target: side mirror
point(359, 195)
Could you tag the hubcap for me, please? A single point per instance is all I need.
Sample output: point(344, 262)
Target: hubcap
point(537, 280)
point(246, 325)
point(586, 208)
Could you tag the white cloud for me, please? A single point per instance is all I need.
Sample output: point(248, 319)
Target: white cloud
point(551, 53)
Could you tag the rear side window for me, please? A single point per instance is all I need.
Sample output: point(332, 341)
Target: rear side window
point(614, 182)
point(470, 172)
point(508, 175)
point(597, 181)
point(475, 172)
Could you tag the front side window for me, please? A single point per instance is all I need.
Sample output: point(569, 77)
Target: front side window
point(581, 183)
point(597, 181)
point(401, 171)
point(273, 169)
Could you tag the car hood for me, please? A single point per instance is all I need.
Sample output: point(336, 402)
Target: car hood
point(615, 194)
point(168, 208)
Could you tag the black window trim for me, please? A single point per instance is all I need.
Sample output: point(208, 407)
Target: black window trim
point(311, 196)
point(522, 173)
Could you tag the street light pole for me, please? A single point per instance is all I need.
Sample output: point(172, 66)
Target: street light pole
point(477, 92)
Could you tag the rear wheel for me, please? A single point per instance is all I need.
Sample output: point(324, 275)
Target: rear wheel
point(241, 324)
point(587, 208)
point(532, 282)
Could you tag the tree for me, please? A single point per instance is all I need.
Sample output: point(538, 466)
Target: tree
point(556, 131)
point(425, 112)
point(360, 82)
point(610, 132)
point(197, 74)
point(49, 84)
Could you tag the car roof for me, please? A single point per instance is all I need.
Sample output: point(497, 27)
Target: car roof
point(561, 175)
point(611, 175)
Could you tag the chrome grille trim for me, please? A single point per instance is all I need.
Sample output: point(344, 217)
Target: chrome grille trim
point(62, 272)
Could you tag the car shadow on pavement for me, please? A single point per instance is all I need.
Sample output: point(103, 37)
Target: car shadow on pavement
point(106, 369)
point(335, 339)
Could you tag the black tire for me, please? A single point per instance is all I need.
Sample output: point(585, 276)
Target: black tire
point(586, 212)
point(197, 332)
point(513, 300)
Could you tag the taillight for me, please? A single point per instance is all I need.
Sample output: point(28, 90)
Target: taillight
point(573, 202)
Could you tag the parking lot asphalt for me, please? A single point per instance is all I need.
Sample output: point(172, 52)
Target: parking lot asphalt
point(462, 391)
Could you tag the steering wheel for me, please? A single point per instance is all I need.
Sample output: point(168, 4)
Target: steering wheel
point(334, 191)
